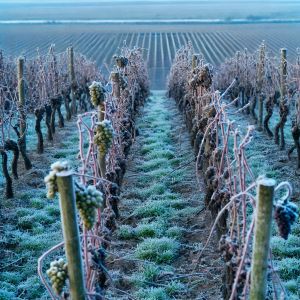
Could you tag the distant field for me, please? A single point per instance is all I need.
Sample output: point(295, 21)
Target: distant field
point(100, 42)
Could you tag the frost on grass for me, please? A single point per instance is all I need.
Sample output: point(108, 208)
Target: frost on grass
point(286, 248)
point(150, 230)
point(159, 205)
point(157, 174)
point(174, 232)
point(289, 268)
point(142, 231)
point(152, 293)
point(150, 272)
point(153, 147)
point(151, 209)
point(293, 286)
point(155, 189)
point(174, 287)
point(159, 250)
point(126, 232)
point(167, 153)
point(153, 164)
point(6, 291)
point(167, 292)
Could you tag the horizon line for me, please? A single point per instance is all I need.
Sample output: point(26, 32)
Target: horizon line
point(151, 21)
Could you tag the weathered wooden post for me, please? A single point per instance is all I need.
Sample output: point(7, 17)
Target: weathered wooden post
point(115, 78)
point(283, 73)
point(66, 191)
point(260, 76)
point(97, 93)
point(262, 235)
point(101, 158)
point(21, 93)
point(284, 103)
point(21, 106)
point(194, 61)
point(243, 91)
point(73, 80)
point(101, 112)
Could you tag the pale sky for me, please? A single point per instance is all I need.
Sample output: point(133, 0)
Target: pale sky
point(99, 1)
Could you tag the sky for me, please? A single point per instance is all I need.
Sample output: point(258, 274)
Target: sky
point(99, 1)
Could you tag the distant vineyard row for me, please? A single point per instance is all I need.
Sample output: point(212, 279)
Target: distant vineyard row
point(100, 45)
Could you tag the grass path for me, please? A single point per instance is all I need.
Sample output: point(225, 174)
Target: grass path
point(162, 225)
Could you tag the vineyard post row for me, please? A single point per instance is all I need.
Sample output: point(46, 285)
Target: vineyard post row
point(266, 81)
point(227, 173)
point(110, 131)
point(39, 85)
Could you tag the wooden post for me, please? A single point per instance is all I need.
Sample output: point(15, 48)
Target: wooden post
point(72, 79)
point(262, 235)
point(284, 102)
point(237, 67)
point(194, 61)
point(283, 74)
point(115, 78)
point(246, 99)
point(101, 112)
point(21, 105)
point(260, 112)
point(101, 159)
point(21, 93)
point(71, 234)
point(260, 75)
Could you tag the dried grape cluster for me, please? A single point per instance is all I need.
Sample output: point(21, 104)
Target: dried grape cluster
point(50, 179)
point(58, 274)
point(285, 215)
point(97, 93)
point(87, 201)
point(104, 136)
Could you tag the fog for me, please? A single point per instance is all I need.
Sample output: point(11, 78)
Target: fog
point(203, 11)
